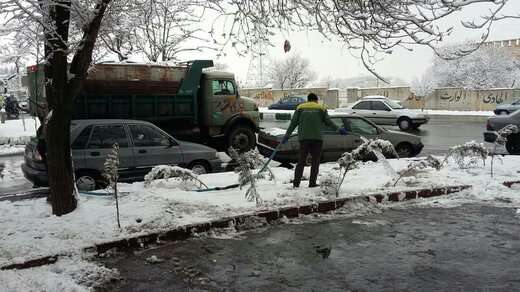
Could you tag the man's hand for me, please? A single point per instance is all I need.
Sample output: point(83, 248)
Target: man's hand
point(285, 139)
point(342, 131)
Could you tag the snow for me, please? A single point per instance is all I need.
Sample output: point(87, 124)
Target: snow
point(66, 275)
point(11, 150)
point(426, 111)
point(29, 230)
point(14, 133)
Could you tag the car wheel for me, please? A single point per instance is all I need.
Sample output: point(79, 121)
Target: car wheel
point(86, 181)
point(513, 144)
point(404, 123)
point(502, 112)
point(404, 150)
point(242, 138)
point(416, 126)
point(200, 167)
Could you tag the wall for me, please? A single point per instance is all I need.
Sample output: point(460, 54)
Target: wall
point(267, 96)
point(465, 99)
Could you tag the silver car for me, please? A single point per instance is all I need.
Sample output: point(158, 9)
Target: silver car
point(507, 108)
point(496, 123)
point(142, 146)
point(334, 144)
point(384, 111)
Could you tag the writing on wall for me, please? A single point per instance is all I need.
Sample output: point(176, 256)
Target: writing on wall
point(495, 98)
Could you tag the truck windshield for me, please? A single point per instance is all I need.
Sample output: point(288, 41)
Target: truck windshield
point(393, 104)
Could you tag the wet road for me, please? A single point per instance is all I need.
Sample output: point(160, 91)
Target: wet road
point(437, 136)
point(11, 178)
point(467, 248)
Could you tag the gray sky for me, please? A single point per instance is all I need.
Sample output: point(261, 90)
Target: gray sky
point(331, 59)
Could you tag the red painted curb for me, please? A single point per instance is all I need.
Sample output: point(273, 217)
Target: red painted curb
point(185, 232)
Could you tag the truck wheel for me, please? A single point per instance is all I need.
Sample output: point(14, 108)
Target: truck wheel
point(242, 138)
point(513, 144)
point(404, 123)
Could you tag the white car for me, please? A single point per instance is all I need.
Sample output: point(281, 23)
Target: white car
point(384, 111)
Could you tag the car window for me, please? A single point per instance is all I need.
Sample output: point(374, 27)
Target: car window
point(394, 104)
point(295, 100)
point(338, 121)
point(144, 135)
point(223, 87)
point(105, 136)
point(82, 138)
point(364, 105)
point(379, 106)
point(359, 126)
point(284, 100)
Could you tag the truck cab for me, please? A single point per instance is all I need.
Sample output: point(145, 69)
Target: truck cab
point(227, 114)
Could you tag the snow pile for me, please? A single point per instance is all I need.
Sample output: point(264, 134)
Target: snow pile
point(14, 133)
point(30, 231)
point(69, 274)
point(11, 149)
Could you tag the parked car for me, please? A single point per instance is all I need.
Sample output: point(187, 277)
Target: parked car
point(288, 103)
point(142, 146)
point(505, 109)
point(384, 111)
point(496, 123)
point(334, 144)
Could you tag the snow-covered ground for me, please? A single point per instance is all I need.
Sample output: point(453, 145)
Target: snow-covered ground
point(67, 275)
point(29, 230)
point(14, 132)
point(11, 149)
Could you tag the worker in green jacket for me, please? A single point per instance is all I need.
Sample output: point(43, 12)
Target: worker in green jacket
point(310, 118)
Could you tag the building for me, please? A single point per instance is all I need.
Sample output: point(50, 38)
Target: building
point(512, 45)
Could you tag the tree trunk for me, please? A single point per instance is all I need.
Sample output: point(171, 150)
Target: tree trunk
point(59, 163)
point(59, 99)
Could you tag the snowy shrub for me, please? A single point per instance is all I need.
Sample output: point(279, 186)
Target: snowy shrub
point(501, 140)
point(415, 166)
point(247, 162)
point(472, 150)
point(329, 184)
point(364, 152)
point(111, 174)
point(176, 172)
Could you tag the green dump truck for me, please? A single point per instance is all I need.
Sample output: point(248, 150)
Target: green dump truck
point(185, 101)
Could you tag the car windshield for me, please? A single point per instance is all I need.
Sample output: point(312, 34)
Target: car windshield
point(516, 102)
point(393, 104)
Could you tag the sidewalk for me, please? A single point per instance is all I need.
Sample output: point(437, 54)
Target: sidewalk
point(167, 209)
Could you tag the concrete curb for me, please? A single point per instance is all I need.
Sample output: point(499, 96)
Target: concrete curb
point(187, 231)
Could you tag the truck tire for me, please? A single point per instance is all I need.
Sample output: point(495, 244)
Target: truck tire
point(513, 144)
point(242, 138)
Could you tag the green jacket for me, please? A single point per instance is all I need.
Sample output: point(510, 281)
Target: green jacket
point(310, 117)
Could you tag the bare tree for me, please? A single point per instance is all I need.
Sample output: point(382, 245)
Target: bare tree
point(163, 27)
point(293, 72)
point(488, 67)
point(366, 27)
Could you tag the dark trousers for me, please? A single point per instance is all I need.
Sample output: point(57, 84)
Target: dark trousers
point(314, 148)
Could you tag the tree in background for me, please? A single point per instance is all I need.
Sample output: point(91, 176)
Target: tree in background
point(488, 67)
point(366, 27)
point(292, 72)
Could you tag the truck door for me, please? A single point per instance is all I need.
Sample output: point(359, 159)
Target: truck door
point(224, 102)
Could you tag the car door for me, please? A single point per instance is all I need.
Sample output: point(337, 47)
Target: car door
point(362, 108)
point(381, 113)
point(100, 144)
point(152, 147)
point(360, 129)
point(78, 147)
point(335, 144)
